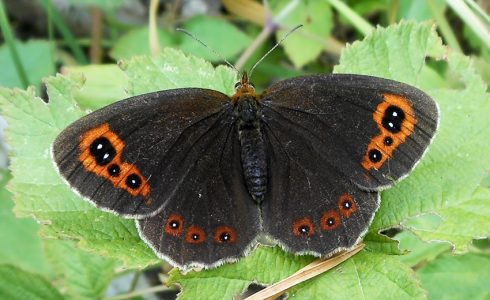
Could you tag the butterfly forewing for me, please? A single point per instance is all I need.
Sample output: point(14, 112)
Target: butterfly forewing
point(371, 130)
point(115, 157)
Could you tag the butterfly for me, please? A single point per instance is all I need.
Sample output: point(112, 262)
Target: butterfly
point(205, 174)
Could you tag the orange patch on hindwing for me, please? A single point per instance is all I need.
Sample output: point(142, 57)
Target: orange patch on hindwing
point(396, 121)
point(225, 234)
point(101, 154)
point(347, 205)
point(303, 227)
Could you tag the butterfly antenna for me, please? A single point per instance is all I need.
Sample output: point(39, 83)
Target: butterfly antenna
point(275, 46)
point(209, 48)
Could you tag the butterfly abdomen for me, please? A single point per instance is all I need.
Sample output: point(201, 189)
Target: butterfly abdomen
point(252, 148)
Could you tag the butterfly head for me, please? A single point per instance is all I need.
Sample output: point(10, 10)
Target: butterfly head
point(244, 89)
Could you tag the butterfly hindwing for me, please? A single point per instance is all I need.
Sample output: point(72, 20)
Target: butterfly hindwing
point(311, 207)
point(115, 157)
point(211, 218)
point(371, 130)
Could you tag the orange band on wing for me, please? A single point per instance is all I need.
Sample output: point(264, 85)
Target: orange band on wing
point(396, 121)
point(122, 174)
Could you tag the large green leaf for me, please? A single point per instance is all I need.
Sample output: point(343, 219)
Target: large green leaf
point(18, 284)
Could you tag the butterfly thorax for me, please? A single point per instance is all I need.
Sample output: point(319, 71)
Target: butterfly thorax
point(252, 145)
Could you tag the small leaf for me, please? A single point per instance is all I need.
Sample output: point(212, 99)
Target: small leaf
point(35, 56)
point(103, 85)
point(457, 277)
point(218, 34)
point(419, 251)
point(137, 42)
point(19, 284)
point(307, 43)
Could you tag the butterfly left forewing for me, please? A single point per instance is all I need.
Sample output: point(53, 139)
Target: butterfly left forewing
point(118, 156)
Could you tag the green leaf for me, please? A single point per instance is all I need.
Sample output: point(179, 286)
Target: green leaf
point(366, 275)
point(137, 42)
point(39, 191)
point(397, 52)
point(36, 57)
point(173, 69)
point(358, 278)
point(103, 85)
point(19, 284)
point(457, 277)
point(419, 252)
point(419, 10)
point(233, 279)
point(218, 34)
point(307, 43)
point(24, 245)
point(80, 274)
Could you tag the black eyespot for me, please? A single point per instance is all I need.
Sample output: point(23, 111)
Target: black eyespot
point(388, 141)
point(133, 181)
point(103, 151)
point(330, 221)
point(304, 229)
point(114, 170)
point(174, 224)
point(347, 205)
point(375, 155)
point(225, 237)
point(393, 119)
point(195, 237)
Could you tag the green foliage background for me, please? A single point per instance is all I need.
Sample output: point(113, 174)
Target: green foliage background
point(441, 209)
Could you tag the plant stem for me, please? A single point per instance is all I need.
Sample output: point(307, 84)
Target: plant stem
point(64, 31)
point(444, 26)
point(475, 24)
point(479, 11)
point(96, 40)
point(153, 30)
point(359, 23)
point(10, 41)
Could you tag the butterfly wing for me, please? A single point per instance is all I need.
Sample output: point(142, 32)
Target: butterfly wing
point(321, 130)
point(373, 131)
point(212, 218)
point(118, 157)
